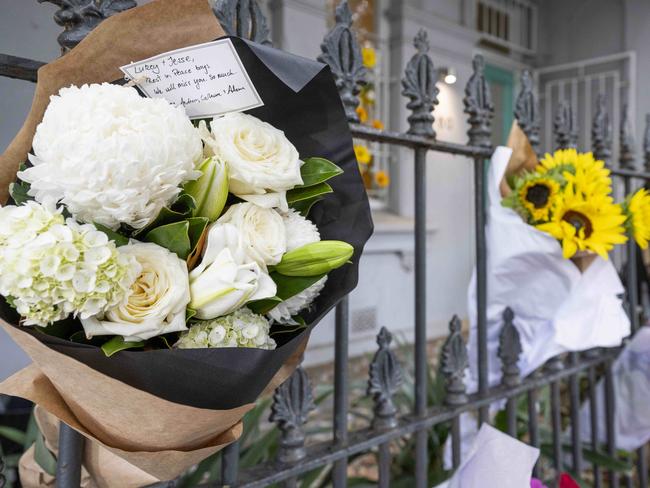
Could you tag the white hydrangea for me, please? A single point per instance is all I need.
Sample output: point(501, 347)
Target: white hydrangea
point(299, 231)
point(112, 156)
point(21, 224)
point(61, 269)
point(241, 328)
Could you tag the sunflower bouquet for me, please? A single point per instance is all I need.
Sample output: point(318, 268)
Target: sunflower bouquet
point(569, 196)
point(550, 227)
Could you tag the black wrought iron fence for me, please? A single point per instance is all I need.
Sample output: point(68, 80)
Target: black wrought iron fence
point(294, 399)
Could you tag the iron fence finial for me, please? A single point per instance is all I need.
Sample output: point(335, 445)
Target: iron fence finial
point(626, 156)
point(646, 143)
point(454, 362)
point(478, 105)
point(79, 17)
point(565, 127)
point(384, 380)
point(527, 112)
point(509, 349)
point(601, 131)
point(292, 402)
point(419, 85)
point(242, 18)
point(341, 51)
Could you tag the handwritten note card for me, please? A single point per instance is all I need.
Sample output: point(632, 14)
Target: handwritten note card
point(207, 79)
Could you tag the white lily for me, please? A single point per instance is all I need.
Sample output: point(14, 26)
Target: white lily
point(226, 279)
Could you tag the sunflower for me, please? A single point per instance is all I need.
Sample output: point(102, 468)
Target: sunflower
point(580, 224)
point(537, 194)
point(362, 153)
point(637, 209)
point(589, 175)
point(382, 179)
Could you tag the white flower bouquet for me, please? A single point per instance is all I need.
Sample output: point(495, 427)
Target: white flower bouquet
point(152, 264)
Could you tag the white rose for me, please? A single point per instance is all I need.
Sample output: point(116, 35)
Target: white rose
point(226, 279)
point(261, 232)
point(158, 298)
point(262, 163)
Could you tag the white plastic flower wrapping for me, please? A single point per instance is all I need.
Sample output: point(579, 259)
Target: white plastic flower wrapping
point(50, 269)
point(158, 298)
point(299, 231)
point(227, 278)
point(262, 163)
point(241, 328)
point(112, 156)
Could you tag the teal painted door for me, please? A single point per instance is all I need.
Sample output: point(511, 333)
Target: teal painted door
point(501, 83)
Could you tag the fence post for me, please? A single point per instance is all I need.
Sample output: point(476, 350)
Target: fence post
point(508, 352)
point(565, 127)
point(527, 112)
point(601, 131)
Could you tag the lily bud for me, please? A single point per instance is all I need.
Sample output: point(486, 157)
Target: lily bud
point(210, 191)
point(314, 259)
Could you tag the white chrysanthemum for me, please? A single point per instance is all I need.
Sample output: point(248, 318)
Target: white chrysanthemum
point(62, 269)
point(241, 328)
point(112, 156)
point(299, 231)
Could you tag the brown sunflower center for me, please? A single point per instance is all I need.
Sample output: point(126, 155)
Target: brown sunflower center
point(538, 195)
point(579, 221)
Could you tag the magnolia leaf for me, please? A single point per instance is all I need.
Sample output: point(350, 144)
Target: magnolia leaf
point(264, 306)
point(117, 344)
point(43, 457)
point(317, 170)
point(181, 209)
point(289, 286)
point(119, 239)
point(302, 194)
point(304, 206)
point(174, 237)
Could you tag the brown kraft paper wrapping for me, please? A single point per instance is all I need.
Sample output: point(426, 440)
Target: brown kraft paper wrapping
point(158, 437)
point(139, 33)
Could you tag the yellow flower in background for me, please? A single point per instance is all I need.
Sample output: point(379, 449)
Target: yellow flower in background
point(638, 210)
point(382, 179)
point(378, 124)
point(369, 57)
point(363, 154)
point(363, 115)
point(537, 195)
point(581, 224)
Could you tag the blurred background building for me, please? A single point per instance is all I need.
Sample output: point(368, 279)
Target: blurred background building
point(574, 49)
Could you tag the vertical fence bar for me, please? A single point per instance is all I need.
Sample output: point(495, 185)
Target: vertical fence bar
point(609, 420)
point(509, 351)
point(68, 467)
point(593, 413)
point(453, 363)
point(421, 365)
point(533, 427)
point(230, 464)
point(574, 393)
point(479, 107)
point(384, 380)
point(341, 388)
point(419, 85)
point(553, 365)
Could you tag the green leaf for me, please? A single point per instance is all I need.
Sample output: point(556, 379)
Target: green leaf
point(43, 457)
point(304, 206)
point(174, 237)
point(263, 306)
point(195, 229)
point(302, 194)
point(31, 432)
point(117, 344)
point(317, 170)
point(14, 435)
point(181, 209)
point(18, 191)
point(288, 286)
point(287, 329)
point(119, 239)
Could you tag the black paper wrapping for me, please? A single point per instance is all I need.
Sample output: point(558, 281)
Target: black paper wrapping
point(300, 98)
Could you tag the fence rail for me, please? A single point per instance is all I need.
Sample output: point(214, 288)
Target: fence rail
point(293, 400)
